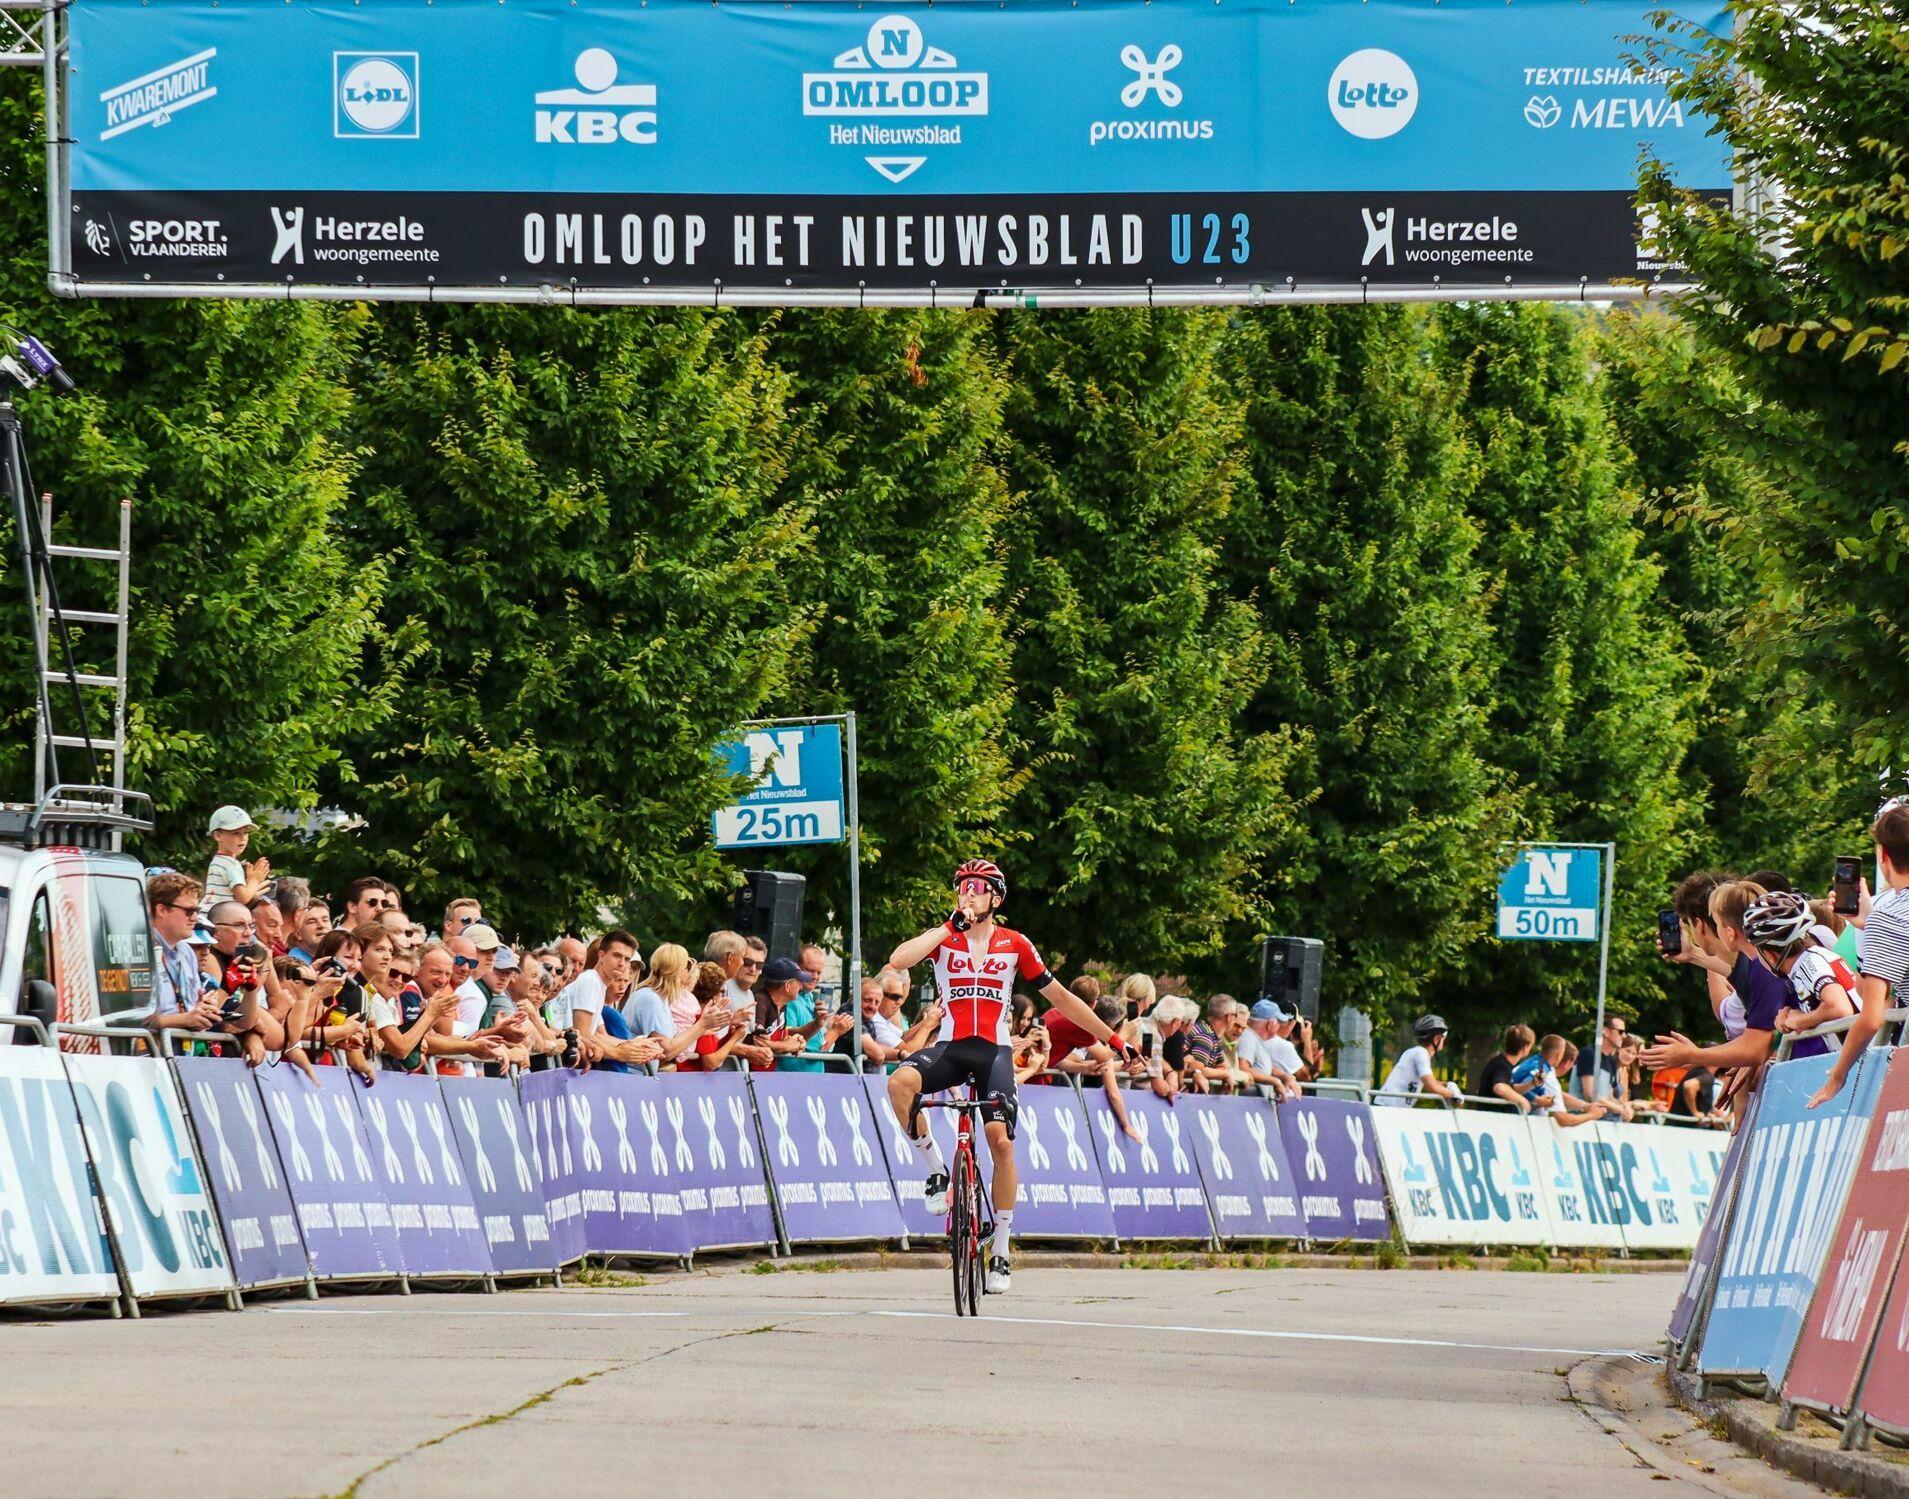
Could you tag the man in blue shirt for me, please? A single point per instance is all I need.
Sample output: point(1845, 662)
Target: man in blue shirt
point(178, 998)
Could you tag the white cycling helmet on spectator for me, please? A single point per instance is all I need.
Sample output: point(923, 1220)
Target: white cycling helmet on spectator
point(1779, 921)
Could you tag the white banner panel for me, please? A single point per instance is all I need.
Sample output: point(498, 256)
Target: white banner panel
point(1461, 1178)
point(52, 1241)
point(149, 1176)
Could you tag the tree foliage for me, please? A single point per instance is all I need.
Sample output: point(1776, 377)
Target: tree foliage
point(1590, 705)
point(897, 431)
point(587, 595)
point(1805, 302)
point(1354, 541)
point(1149, 809)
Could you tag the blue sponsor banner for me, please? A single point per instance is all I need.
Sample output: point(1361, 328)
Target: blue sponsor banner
point(546, 1105)
point(1153, 1181)
point(1717, 1216)
point(53, 1244)
point(1249, 1179)
point(714, 1157)
point(247, 1176)
point(1335, 1156)
point(493, 1139)
point(826, 1157)
point(1796, 1171)
point(342, 1208)
point(1042, 144)
point(1059, 1192)
point(415, 1155)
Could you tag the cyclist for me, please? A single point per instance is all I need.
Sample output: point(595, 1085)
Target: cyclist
point(976, 965)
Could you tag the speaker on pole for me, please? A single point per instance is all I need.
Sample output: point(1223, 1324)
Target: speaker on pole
point(1289, 973)
point(769, 906)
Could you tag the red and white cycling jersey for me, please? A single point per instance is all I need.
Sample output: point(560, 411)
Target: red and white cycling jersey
point(976, 992)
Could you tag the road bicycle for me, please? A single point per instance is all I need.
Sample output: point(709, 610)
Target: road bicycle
point(970, 1216)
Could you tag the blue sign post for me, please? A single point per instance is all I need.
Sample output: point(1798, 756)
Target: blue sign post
point(800, 796)
point(1561, 892)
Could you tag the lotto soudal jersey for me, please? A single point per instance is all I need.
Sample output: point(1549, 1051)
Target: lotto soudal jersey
point(976, 991)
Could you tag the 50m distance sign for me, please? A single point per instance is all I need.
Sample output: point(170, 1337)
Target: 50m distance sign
point(797, 773)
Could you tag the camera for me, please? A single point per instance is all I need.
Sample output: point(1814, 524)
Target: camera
point(571, 1049)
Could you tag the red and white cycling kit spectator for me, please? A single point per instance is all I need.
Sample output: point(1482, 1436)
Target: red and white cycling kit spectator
point(976, 992)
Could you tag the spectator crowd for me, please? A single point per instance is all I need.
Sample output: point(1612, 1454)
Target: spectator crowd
point(253, 960)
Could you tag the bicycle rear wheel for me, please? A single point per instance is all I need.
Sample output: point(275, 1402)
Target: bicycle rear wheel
point(962, 1234)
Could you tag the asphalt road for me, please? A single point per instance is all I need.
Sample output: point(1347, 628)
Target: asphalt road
point(1096, 1382)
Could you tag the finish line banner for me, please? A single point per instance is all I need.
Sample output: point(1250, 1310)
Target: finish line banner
point(783, 151)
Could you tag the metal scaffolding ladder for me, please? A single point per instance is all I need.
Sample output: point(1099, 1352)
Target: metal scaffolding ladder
point(51, 619)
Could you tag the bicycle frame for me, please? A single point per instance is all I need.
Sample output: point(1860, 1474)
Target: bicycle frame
point(970, 1215)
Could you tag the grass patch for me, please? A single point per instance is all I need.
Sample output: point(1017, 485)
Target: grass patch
point(601, 1277)
point(1530, 1261)
point(808, 1267)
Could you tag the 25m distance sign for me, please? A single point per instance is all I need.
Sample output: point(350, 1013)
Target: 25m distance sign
point(1087, 145)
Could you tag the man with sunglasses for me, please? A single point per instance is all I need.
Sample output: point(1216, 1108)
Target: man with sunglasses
point(177, 997)
point(1604, 1090)
point(977, 964)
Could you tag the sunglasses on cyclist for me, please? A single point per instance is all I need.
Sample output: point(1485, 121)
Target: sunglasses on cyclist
point(974, 887)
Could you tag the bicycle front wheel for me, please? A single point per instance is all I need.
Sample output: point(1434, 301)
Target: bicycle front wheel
point(963, 1241)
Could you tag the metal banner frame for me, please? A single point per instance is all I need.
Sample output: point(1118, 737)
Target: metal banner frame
point(44, 40)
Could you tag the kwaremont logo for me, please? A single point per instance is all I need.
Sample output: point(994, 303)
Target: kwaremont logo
point(1150, 80)
point(1430, 241)
point(154, 98)
point(1602, 98)
point(895, 74)
point(599, 111)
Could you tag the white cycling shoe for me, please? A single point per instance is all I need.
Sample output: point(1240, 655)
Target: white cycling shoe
point(996, 1283)
point(934, 1196)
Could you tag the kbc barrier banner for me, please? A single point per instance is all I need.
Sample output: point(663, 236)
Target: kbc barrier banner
point(53, 1244)
point(1848, 1305)
point(244, 1170)
point(1334, 1152)
point(825, 1155)
point(1470, 1183)
point(343, 1210)
point(1153, 1181)
point(1576, 1203)
point(1717, 1219)
point(148, 1176)
point(778, 150)
point(1249, 1180)
point(493, 1140)
point(1796, 1170)
point(415, 1156)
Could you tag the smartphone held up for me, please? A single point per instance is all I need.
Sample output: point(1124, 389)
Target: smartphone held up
point(1670, 933)
point(1846, 890)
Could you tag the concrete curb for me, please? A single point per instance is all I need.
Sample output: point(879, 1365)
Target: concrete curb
point(1810, 1452)
point(933, 1257)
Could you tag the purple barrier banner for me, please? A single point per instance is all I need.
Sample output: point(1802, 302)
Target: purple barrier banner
point(247, 1176)
point(1060, 1194)
point(714, 1158)
point(831, 1177)
point(1153, 1182)
point(1330, 1145)
point(1248, 1178)
point(546, 1104)
point(415, 1155)
point(1722, 1205)
point(493, 1139)
point(341, 1203)
point(602, 1170)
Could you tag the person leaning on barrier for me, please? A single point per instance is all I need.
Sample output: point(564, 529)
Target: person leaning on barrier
point(671, 1010)
point(524, 991)
point(1258, 1058)
point(1138, 996)
point(724, 1038)
point(179, 1002)
point(1173, 1016)
point(238, 967)
point(1208, 1068)
point(1412, 1072)
point(1762, 992)
point(309, 927)
point(1884, 947)
point(1544, 1091)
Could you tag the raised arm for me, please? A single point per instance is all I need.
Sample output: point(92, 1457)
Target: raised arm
point(915, 949)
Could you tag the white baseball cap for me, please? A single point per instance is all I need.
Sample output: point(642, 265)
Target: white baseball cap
point(229, 819)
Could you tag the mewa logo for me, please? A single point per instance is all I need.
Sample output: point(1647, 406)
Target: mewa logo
point(895, 72)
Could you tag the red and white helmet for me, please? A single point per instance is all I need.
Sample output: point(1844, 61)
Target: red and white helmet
point(983, 869)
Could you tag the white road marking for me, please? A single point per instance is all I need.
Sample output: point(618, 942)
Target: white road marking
point(449, 1311)
point(1285, 1333)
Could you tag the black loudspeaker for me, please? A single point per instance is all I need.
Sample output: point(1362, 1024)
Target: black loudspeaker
point(769, 906)
point(1289, 973)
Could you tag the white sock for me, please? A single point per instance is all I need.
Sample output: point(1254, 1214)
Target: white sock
point(1003, 1222)
point(925, 1146)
